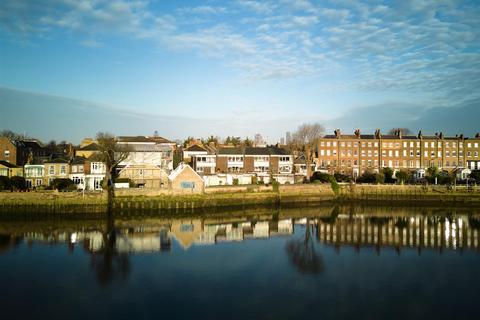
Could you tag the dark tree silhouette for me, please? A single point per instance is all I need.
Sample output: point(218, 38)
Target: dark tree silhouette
point(302, 254)
point(108, 262)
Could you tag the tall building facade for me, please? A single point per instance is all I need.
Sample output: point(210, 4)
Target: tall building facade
point(356, 153)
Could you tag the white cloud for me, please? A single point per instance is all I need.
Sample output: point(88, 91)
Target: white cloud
point(91, 43)
point(430, 47)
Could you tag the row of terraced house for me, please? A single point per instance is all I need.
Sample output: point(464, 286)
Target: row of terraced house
point(353, 154)
point(150, 161)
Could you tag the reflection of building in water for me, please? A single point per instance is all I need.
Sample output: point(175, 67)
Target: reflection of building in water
point(156, 236)
point(415, 231)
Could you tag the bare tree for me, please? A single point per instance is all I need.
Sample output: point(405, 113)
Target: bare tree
point(305, 139)
point(111, 154)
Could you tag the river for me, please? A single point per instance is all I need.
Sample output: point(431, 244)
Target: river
point(327, 262)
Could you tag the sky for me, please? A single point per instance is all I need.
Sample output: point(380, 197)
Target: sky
point(71, 68)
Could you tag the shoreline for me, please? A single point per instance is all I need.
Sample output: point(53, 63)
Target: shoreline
point(57, 203)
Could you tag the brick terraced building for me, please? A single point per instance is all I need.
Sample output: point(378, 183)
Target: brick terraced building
point(356, 153)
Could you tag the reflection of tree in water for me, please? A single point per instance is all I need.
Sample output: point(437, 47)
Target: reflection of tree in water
point(302, 253)
point(474, 222)
point(8, 241)
point(108, 262)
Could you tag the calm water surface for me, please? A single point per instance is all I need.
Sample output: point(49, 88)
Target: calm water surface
point(362, 263)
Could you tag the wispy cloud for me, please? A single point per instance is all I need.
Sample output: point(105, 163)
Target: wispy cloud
point(415, 46)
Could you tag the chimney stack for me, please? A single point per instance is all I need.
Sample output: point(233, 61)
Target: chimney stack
point(357, 133)
point(337, 133)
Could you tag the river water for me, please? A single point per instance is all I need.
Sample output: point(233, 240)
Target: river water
point(327, 262)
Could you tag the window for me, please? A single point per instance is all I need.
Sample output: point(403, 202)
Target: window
point(6, 153)
point(74, 169)
point(285, 159)
point(369, 144)
point(51, 170)
point(432, 144)
point(328, 144)
point(426, 144)
point(322, 143)
point(404, 144)
point(63, 169)
point(469, 145)
point(342, 144)
point(411, 144)
point(376, 144)
point(322, 152)
point(334, 144)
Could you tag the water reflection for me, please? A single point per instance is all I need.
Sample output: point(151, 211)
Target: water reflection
point(108, 261)
point(282, 264)
point(303, 254)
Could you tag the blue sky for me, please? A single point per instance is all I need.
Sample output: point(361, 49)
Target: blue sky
point(237, 67)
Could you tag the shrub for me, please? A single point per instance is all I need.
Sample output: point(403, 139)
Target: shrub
point(18, 183)
point(402, 176)
point(388, 175)
point(62, 184)
point(475, 175)
point(5, 183)
point(370, 177)
point(320, 177)
point(342, 177)
point(72, 187)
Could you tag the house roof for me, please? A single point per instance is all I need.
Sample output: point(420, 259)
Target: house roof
point(135, 139)
point(78, 160)
point(90, 147)
point(8, 164)
point(257, 151)
point(57, 160)
point(279, 151)
point(160, 140)
point(181, 166)
point(32, 144)
point(300, 160)
point(227, 151)
point(195, 147)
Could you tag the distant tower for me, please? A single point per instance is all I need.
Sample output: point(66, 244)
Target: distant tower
point(258, 140)
point(282, 141)
point(289, 137)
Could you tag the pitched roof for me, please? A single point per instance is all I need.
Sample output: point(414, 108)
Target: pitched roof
point(32, 144)
point(181, 166)
point(279, 151)
point(135, 139)
point(227, 151)
point(195, 147)
point(160, 140)
point(90, 147)
point(57, 160)
point(8, 164)
point(78, 160)
point(257, 151)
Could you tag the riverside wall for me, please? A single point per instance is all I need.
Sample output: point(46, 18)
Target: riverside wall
point(219, 198)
